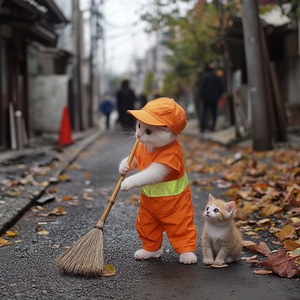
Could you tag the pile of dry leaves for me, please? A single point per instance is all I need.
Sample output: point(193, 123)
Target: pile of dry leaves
point(266, 188)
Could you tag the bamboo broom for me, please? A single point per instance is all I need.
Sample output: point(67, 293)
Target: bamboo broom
point(85, 257)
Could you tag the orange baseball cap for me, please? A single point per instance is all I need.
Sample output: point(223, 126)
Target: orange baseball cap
point(162, 112)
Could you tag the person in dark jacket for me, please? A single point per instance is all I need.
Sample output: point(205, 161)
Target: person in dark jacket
point(125, 101)
point(211, 90)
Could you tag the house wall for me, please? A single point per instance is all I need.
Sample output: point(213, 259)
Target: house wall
point(48, 96)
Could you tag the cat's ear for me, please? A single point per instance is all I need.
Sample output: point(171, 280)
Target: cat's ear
point(230, 206)
point(211, 198)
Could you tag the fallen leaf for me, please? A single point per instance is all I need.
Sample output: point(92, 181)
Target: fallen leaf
point(270, 210)
point(108, 270)
point(295, 220)
point(4, 242)
point(262, 272)
point(58, 211)
point(67, 198)
point(286, 232)
point(266, 222)
point(43, 232)
point(281, 264)
point(12, 233)
point(64, 177)
point(248, 259)
point(248, 243)
point(260, 247)
point(291, 245)
point(219, 266)
point(274, 230)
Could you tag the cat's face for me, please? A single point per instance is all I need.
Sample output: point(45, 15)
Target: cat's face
point(154, 136)
point(218, 211)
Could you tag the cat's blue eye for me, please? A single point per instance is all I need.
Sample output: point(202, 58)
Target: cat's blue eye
point(148, 131)
point(216, 210)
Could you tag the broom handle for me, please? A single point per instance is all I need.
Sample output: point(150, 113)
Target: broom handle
point(111, 201)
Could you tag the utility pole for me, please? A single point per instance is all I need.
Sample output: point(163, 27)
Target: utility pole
point(298, 52)
point(77, 82)
point(257, 82)
point(93, 10)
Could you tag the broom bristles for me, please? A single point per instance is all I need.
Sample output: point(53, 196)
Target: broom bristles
point(85, 257)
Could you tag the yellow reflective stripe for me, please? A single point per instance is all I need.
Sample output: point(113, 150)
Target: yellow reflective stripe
point(168, 188)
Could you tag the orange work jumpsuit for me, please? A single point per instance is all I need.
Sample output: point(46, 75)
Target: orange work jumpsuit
point(172, 213)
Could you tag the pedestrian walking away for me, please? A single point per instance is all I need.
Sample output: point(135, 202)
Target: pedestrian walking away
point(106, 107)
point(125, 101)
point(210, 91)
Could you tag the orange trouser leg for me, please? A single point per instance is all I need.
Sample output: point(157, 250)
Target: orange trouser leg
point(181, 229)
point(174, 215)
point(150, 231)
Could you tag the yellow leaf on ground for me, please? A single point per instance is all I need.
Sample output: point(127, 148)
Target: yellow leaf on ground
point(108, 270)
point(64, 177)
point(285, 232)
point(291, 245)
point(270, 210)
point(12, 233)
point(295, 220)
point(58, 211)
point(4, 242)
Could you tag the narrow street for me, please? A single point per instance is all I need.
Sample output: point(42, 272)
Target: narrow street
point(28, 270)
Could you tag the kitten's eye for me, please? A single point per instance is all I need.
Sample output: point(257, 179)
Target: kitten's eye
point(148, 131)
point(139, 125)
point(216, 210)
point(207, 208)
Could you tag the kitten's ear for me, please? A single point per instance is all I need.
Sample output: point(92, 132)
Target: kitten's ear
point(211, 198)
point(230, 206)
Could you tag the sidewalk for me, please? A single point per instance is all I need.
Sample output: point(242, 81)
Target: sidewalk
point(227, 137)
point(26, 175)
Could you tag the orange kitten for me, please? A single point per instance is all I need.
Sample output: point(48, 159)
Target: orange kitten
point(221, 239)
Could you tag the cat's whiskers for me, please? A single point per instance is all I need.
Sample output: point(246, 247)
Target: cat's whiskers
point(127, 140)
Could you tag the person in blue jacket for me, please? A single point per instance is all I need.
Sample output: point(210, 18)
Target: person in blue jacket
point(106, 107)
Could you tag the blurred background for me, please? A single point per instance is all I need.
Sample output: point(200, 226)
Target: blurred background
point(72, 53)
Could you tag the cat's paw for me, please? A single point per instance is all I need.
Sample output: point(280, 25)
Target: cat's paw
point(208, 261)
point(144, 254)
point(188, 258)
point(229, 260)
point(219, 262)
point(124, 167)
point(127, 185)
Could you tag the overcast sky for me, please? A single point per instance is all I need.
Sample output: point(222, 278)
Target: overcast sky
point(125, 38)
point(124, 32)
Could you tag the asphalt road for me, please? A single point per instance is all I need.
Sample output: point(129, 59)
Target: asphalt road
point(28, 270)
